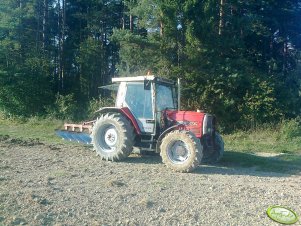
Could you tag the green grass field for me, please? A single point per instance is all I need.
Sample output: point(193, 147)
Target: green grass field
point(33, 128)
point(268, 149)
point(270, 141)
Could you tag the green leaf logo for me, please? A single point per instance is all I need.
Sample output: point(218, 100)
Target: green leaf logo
point(282, 214)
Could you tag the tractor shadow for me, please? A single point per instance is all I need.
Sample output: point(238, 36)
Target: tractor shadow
point(145, 158)
point(238, 163)
point(242, 163)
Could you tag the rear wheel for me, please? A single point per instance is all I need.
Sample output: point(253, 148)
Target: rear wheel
point(112, 137)
point(181, 151)
point(215, 153)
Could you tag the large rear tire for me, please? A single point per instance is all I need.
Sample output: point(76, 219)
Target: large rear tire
point(112, 137)
point(181, 151)
point(215, 153)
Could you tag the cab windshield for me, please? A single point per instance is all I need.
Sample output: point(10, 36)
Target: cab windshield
point(165, 98)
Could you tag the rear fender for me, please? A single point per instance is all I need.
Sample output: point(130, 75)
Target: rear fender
point(125, 112)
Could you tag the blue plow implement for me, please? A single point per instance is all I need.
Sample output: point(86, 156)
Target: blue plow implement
point(80, 137)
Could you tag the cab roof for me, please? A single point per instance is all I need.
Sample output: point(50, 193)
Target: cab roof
point(143, 78)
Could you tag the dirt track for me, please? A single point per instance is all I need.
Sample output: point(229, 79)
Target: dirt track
point(69, 185)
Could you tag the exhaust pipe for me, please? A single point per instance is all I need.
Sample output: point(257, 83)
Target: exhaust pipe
point(179, 94)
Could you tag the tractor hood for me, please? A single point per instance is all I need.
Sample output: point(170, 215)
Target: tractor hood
point(198, 123)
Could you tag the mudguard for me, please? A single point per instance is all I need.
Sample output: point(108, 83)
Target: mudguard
point(125, 111)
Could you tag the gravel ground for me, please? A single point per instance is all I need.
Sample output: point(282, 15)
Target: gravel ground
point(69, 185)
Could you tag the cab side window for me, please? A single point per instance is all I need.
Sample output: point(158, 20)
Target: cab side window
point(139, 100)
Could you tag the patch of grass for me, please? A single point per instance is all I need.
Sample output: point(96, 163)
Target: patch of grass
point(281, 163)
point(272, 148)
point(282, 138)
point(33, 128)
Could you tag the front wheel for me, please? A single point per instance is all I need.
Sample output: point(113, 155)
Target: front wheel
point(181, 151)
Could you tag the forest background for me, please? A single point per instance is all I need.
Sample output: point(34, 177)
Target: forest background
point(237, 59)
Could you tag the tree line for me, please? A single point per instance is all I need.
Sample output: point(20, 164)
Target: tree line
point(237, 59)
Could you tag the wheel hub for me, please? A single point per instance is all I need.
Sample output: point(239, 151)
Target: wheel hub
point(178, 152)
point(111, 137)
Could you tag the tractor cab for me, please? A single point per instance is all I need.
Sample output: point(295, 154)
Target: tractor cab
point(146, 97)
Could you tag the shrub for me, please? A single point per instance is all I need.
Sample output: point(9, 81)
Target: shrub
point(96, 104)
point(65, 107)
point(290, 129)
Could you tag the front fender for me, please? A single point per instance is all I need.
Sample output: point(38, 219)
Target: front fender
point(174, 127)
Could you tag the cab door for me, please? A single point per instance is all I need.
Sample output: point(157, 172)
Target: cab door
point(140, 102)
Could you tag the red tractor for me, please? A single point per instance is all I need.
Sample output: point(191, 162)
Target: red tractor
point(147, 116)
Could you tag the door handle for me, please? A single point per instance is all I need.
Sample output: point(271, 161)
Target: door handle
point(150, 121)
